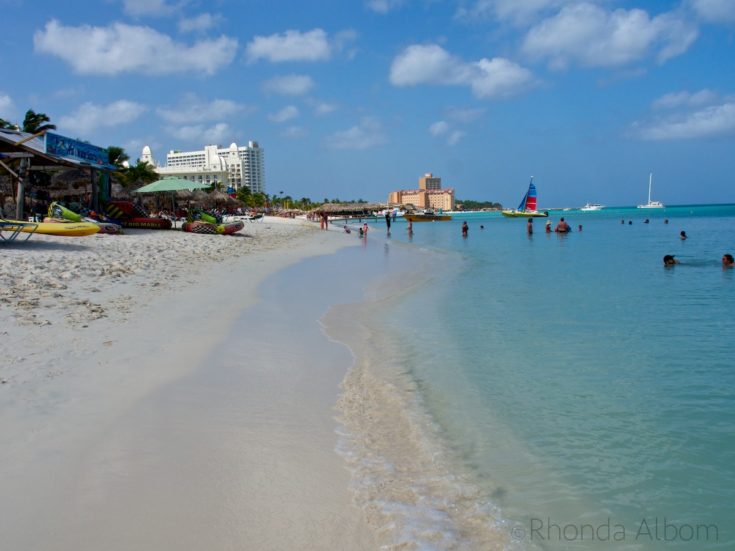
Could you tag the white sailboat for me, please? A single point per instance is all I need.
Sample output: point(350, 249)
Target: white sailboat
point(651, 204)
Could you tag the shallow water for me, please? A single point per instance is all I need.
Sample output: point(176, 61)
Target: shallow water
point(585, 391)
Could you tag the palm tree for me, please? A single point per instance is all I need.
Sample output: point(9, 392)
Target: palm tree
point(140, 173)
point(8, 125)
point(117, 157)
point(34, 123)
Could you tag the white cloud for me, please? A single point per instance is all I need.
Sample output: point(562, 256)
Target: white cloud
point(290, 46)
point(89, 117)
point(438, 128)
point(199, 134)
point(193, 109)
point(367, 134)
point(431, 64)
point(200, 23)
point(714, 11)
point(685, 99)
point(322, 108)
point(518, 12)
point(383, 6)
point(286, 114)
point(709, 122)
point(7, 107)
point(455, 136)
point(122, 48)
point(138, 8)
point(465, 115)
point(294, 132)
point(595, 37)
point(289, 85)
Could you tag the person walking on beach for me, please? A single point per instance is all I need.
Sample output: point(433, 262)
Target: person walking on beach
point(728, 261)
point(387, 221)
point(529, 226)
point(365, 229)
point(465, 229)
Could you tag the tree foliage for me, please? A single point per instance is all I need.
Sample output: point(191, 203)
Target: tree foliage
point(33, 123)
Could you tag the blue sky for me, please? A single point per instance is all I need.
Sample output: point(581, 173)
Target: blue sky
point(353, 99)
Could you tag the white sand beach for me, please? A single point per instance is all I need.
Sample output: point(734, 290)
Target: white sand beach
point(106, 416)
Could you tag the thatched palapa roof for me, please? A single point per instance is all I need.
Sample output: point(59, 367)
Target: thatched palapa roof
point(349, 209)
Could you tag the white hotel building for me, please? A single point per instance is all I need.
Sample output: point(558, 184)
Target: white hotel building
point(233, 167)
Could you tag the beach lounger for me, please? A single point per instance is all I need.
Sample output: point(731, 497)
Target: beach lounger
point(15, 228)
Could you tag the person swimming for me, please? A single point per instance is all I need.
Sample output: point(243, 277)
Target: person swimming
point(728, 261)
point(669, 260)
point(682, 235)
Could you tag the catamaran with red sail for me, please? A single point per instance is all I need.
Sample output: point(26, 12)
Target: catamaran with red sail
point(527, 208)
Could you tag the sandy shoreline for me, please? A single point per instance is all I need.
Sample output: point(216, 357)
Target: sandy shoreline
point(94, 327)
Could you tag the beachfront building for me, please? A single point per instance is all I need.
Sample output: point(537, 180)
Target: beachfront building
point(429, 195)
point(233, 167)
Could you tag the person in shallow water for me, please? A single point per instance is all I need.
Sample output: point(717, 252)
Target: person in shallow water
point(682, 235)
point(669, 260)
point(562, 227)
point(728, 261)
point(529, 226)
point(465, 229)
point(548, 226)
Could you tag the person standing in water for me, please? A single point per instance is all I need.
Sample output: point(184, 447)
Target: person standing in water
point(387, 221)
point(529, 226)
point(465, 229)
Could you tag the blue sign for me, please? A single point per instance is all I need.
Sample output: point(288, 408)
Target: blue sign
point(74, 149)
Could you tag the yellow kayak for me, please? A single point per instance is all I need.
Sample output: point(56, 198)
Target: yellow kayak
point(66, 229)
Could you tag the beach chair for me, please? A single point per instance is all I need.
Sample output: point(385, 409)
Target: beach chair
point(15, 228)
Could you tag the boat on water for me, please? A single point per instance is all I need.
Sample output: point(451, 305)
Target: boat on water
point(592, 206)
point(651, 204)
point(426, 215)
point(527, 208)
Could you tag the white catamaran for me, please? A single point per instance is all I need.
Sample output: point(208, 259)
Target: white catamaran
point(651, 204)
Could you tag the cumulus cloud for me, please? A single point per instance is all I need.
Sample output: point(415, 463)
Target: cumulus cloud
point(199, 133)
point(674, 100)
point(322, 108)
point(286, 114)
point(193, 109)
point(289, 85)
point(439, 128)
point(383, 6)
point(594, 37)
point(121, 48)
point(708, 122)
point(140, 8)
point(291, 45)
point(465, 115)
point(455, 136)
point(6, 106)
point(714, 11)
point(432, 64)
point(200, 23)
point(294, 132)
point(89, 117)
point(517, 12)
point(367, 134)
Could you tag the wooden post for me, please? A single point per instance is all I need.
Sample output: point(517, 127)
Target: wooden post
point(25, 165)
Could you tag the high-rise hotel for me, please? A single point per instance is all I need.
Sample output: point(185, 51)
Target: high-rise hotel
point(429, 195)
point(233, 167)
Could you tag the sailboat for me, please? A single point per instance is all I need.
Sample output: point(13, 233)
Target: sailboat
point(527, 208)
point(651, 204)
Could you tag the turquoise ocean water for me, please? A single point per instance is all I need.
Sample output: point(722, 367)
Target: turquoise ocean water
point(588, 391)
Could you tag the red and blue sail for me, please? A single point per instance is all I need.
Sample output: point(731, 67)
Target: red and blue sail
point(529, 199)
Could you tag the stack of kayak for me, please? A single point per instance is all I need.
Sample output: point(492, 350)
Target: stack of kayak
point(206, 223)
point(131, 215)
